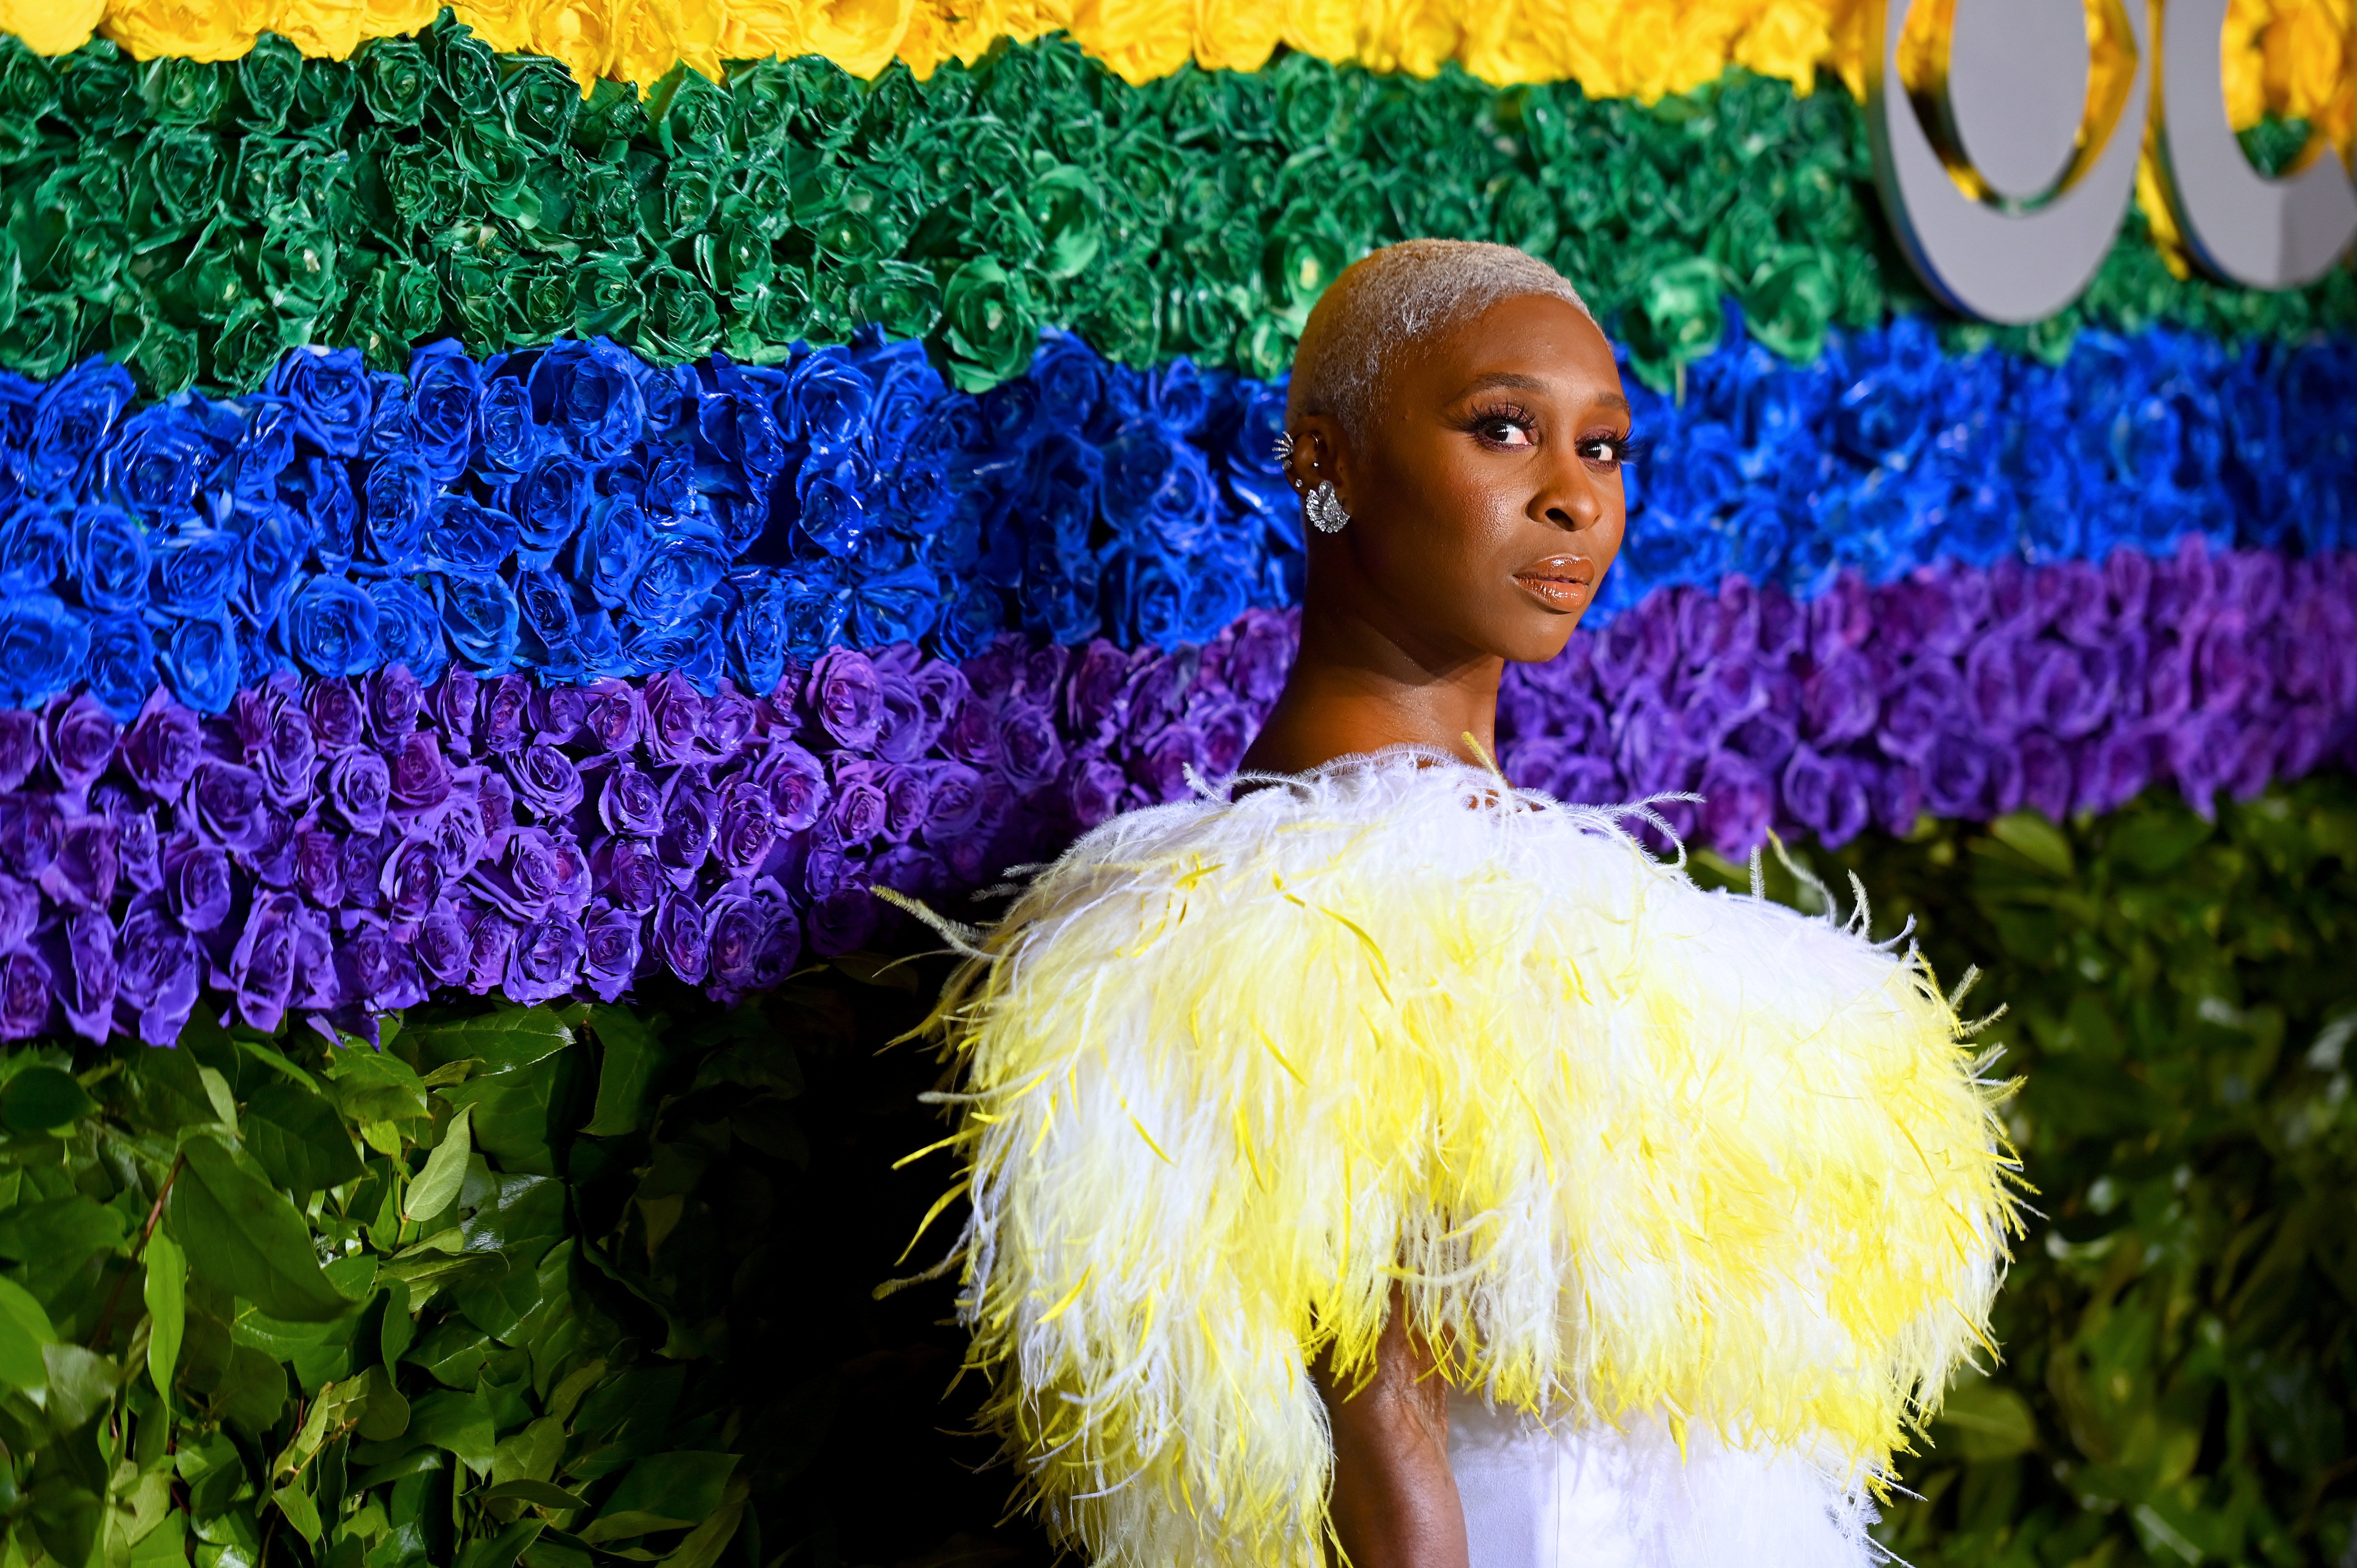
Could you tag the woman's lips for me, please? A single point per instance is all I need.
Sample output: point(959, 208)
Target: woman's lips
point(1559, 582)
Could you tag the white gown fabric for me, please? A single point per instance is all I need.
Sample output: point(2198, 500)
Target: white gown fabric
point(1552, 1496)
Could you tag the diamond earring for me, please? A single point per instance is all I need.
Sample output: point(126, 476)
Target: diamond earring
point(1324, 508)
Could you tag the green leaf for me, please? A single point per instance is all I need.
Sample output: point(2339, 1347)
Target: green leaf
point(82, 1383)
point(373, 1086)
point(298, 1138)
point(300, 1511)
point(40, 1097)
point(512, 1115)
point(707, 1540)
point(634, 1054)
point(539, 1494)
point(241, 1234)
point(500, 1551)
point(167, 1293)
point(65, 1231)
point(24, 1330)
point(436, 1186)
point(663, 1491)
point(460, 1423)
point(501, 1041)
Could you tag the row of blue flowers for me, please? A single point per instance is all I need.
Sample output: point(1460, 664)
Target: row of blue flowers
point(577, 513)
point(336, 847)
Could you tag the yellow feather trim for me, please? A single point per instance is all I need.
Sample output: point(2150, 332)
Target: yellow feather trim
point(1631, 1147)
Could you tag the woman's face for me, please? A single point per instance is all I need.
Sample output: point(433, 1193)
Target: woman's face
point(1485, 503)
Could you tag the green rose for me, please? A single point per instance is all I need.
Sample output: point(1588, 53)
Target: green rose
point(989, 324)
point(426, 187)
point(469, 75)
point(764, 201)
point(903, 299)
point(891, 112)
point(1065, 207)
point(97, 90)
point(604, 207)
point(681, 321)
point(491, 160)
point(249, 345)
point(183, 92)
point(763, 98)
point(29, 90)
point(165, 359)
point(298, 267)
point(268, 80)
point(1198, 316)
point(1521, 215)
point(766, 319)
point(1298, 265)
point(606, 296)
point(400, 306)
point(863, 227)
point(324, 98)
point(734, 257)
point(473, 287)
point(830, 101)
point(177, 178)
point(395, 80)
point(611, 114)
point(95, 257)
point(1264, 347)
point(1788, 303)
point(212, 286)
point(542, 103)
point(540, 306)
point(42, 337)
point(1117, 314)
point(1677, 320)
point(679, 205)
point(261, 182)
point(691, 115)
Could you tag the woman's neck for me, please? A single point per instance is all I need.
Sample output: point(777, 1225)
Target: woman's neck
point(1356, 687)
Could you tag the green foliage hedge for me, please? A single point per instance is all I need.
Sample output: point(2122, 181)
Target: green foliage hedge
point(196, 219)
point(561, 1287)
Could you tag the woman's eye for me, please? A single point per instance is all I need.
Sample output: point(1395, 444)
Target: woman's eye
point(1607, 449)
point(1505, 433)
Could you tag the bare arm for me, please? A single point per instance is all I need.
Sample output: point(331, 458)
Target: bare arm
point(1396, 1502)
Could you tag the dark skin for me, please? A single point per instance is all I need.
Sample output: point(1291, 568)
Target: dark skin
point(1485, 506)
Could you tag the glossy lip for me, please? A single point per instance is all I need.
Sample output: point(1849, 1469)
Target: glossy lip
point(1559, 582)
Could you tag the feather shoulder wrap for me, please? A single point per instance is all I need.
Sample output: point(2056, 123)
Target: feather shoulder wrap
point(1233, 1070)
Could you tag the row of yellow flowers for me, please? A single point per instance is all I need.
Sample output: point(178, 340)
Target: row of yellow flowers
point(2288, 56)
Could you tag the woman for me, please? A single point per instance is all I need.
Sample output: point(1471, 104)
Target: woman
point(1375, 1158)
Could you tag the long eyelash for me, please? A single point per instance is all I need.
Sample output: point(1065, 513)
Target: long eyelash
point(1626, 450)
point(1511, 414)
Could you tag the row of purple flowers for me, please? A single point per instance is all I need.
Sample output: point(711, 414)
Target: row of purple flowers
point(335, 848)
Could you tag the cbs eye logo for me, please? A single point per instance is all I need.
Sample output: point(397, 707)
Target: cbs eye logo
point(2051, 167)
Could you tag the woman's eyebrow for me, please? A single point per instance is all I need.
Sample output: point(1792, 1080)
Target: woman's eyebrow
point(1512, 381)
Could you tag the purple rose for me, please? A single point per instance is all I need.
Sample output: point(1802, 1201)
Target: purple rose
point(2047, 781)
point(691, 819)
point(420, 779)
point(1956, 776)
point(737, 926)
point(847, 697)
point(82, 956)
point(1927, 701)
point(502, 713)
point(338, 715)
point(1227, 728)
point(2226, 670)
point(973, 738)
point(545, 962)
point(1031, 751)
point(1561, 769)
point(30, 827)
point(20, 744)
point(458, 840)
point(609, 950)
point(1839, 702)
point(908, 801)
point(25, 996)
point(79, 737)
point(1097, 698)
point(630, 802)
point(1653, 751)
point(625, 872)
point(227, 806)
point(2127, 582)
point(395, 704)
point(156, 973)
point(535, 874)
point(857, 814)
point(452, 703)
point(1825, 795)
point(903, 734)
point(442, 945)
point(361, 866)
point(1739, 804)
point(674, 722)
point(81, 875)
point(679, 937)
point(162, 752)
point(616, 715)
point(360, 788)
point(137, 845)
point(842, 920)
point(546, 782)
point(1261, 655)
point(957, 793)
point(2070, 691)
point(378, 969)
point(494, 800)
point(747, 830)
point(796, 781)
point(1161, 766)
point(558, 712)
point(490, 942)
point(196, 884)
point(20, 911)
point(319, 868)
point(412, 880)
point(1099, 791)
point(1993, 684)
point(730, 720)
point(261, 965)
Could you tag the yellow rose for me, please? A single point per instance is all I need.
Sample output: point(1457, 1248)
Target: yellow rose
point(51, 26)
point(1235, 35)
point(389, 18)
point(577, 34)
point(860, 35)
point(332, 29)
point(1139, 40)
point(644, 45)
point(1413, 35)
point(504, 25)
point(2306, 60)
point(2246, 90)
point(1327, 28)
point(762, 29)
point(1521, 40)
point(198, 30)
point(1789, 38)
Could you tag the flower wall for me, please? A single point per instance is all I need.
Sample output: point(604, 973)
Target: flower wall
point(514, 522)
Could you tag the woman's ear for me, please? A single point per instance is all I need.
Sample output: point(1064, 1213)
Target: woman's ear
point(1320, 452)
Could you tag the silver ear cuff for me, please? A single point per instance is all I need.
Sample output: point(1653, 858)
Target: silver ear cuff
point(1324, 508)
point(1283, 449)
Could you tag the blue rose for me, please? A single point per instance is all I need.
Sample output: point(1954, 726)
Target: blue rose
point(446, 387)
point(907, 387)
point(35, 545)
point(409, 628)
point(898, 607)
point(258, 452)
point(1215, 586)
point(1665, 549)
point(608, 549)
point(1177, 398)
point(970, 620)
point(1063, 478)
point(936, 465)
point(552, 626)
point(670, 478)
point(70, 423)
point(1059, 593)
point(468, 537)
point(1248, 442)
point(1011, 417)
point(331, 628)
point(757, 601)
point(673, 393)
point(121, 668)
point(278, 542)
point(110, 560)
point(549, 503)
point(1151, 603)
point(399, 499)
point(43, 645)
point(322, 489)
point(825, 405)
point(833, 506)
point(387, 429)
point(510, 439)
point(163, 454)
point(196, 569)
point(202, 662)
point(480, 619)
point(739, 447)
point(590, 392)
point(695, 649)
point(815, 608)
point(1070, 379)
point(1158, 490)
point(1757, 534)
point(328, 389)
point(683, 562)
point(599, 647)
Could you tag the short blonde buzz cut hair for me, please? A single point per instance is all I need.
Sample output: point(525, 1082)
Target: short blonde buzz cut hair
point(1401, 295)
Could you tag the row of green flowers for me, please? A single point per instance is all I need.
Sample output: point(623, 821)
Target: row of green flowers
point(195, 219)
